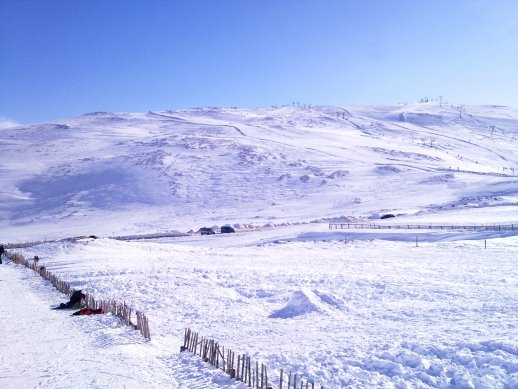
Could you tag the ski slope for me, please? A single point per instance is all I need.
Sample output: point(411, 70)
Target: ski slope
point(181, 170)
point(346, 308)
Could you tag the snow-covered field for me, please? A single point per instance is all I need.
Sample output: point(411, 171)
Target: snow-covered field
point(346, 308)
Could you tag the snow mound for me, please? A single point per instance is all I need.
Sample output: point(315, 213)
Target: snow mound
point(301, 302)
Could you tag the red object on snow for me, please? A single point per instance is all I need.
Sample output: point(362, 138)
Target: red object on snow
point(88, 311)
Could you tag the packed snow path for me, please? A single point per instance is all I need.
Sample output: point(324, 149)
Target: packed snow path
point(49, 348)
point(46, 348)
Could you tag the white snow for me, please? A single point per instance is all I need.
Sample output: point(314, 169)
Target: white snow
point(346, 308)
point(49, 348)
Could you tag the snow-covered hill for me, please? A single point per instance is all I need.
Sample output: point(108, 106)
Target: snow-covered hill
point(348, 309)
point(183, 169)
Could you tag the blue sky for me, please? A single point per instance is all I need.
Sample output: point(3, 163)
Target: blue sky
point(63, 58)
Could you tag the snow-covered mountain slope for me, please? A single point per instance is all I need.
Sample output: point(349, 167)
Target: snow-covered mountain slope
point(349, 309)
point(118, 173)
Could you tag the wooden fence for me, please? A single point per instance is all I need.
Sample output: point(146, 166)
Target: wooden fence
point(121, 310)
point(373, 226)
point(241, 367)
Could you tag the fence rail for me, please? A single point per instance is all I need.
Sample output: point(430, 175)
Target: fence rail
point(242, 368)
point(121, 310)
point(429, 226)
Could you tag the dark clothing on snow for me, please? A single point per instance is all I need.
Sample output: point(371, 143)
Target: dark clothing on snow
point(75, 301)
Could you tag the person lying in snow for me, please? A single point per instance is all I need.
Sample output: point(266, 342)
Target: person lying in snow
point(76, 301)
point(88, 311)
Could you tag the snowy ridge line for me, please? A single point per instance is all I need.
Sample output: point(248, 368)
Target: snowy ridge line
point(170, 234)
point(122, 311)
point(244, 371)
point(26, 244)
point(429, 226)
point(22, 245)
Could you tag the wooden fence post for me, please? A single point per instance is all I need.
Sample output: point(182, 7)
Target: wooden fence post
point(243, 371)
point(238, 367)
point(211, 352)
point(249, 372)
point(232, 364)
point(257, 374)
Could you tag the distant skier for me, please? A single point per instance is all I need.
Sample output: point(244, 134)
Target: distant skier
point(1, 253)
